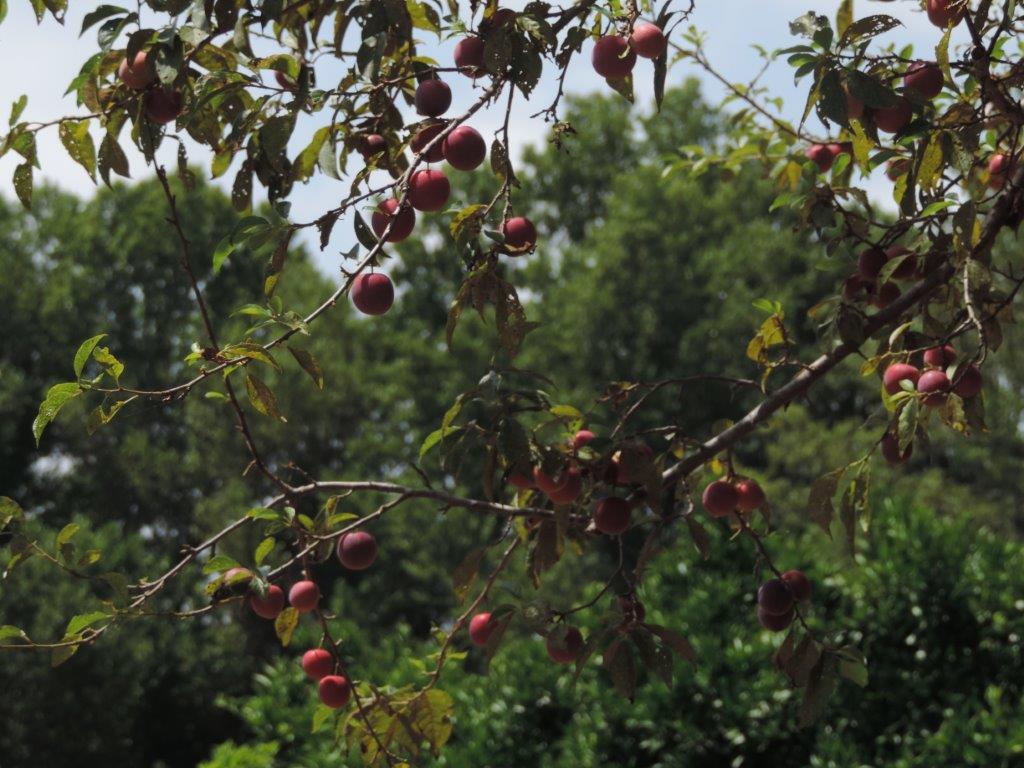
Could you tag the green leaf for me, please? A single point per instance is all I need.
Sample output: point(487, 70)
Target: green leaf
point(436, 437)
point(62, 654)
point(465, 573)
point(23, 184)
point(309, 365)
point(219, 564)
point(262, 398)
point(852, 665)
point(679, 644)
point(869, 90)
point(111, 365)
point(844, 17)
point(265, 513)
point(285, 623)
point(364, 235)
point(84, 351)
point(74, 135)
point(7, 632)
point(16, 109)
point(819, 505)
point(868, 27)
point(265, 548)
point(56, 399)
point(83, 620)
point(251, 351)
point(906, 425)
point(67, 533)
point(98, 14)
point(112, 158)
point(820, 685)
point(321, 715)
point(618, 660)
point(10, 510)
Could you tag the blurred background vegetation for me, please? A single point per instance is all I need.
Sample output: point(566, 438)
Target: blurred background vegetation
point(641, 276)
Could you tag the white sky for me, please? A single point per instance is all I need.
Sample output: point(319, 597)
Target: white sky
point(42, 59)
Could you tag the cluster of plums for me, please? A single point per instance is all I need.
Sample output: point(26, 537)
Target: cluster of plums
point(866, 284)
point(777, 599)
point(725, 496)
point(564, 643)
point(923, 81)
point(356, 551)
point(612, 514)
point(614, 56)
point(163, 105)
point(933, 384)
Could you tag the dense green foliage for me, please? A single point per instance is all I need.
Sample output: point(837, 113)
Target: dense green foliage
point(645, 277)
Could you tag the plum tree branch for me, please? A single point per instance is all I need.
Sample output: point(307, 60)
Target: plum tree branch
point(1004, 212)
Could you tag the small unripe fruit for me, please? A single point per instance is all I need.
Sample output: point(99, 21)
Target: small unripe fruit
point(895, 118)
point(774, 597)
point(135, 75)
point(357, 550)
point(891, 450)
point(969, 383)
point(433, 97)
point(898, 372)
point(569, 488)
point(372, 293)
point(821, 155)
point(798, 584)
point(924, 78)
point(749, 495)
point(163, 106)
point(720, 498)
point(429, 190)
point(424, 136)
point(907, 267)
point(940, 357)
point(564, 646)
point(870, 263)
point(371, 145)
point(480, 628)
point(304, 596)
point(469, 56)
point(612, 58)
point(611, 516)
point(581, 438)
point(520, 234)
point(775, 623)
point(405, 220)
point(648, 41)
point(317, 663)
point(942, 13)
point(334, 691)
point(934, 385)
point(465, 148)
point(884, 295)
point(269, 605)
